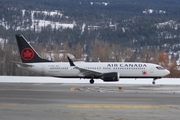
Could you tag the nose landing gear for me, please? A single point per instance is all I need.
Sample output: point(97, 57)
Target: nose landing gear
point(154, 81)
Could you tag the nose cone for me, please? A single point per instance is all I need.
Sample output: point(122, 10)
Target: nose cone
point(166, 72)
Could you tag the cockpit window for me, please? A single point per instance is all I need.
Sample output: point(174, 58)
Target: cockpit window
point(160, 68)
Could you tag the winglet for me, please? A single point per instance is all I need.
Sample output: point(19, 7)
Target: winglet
point(71, 62)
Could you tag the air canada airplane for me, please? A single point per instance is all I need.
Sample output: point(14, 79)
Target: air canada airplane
point(107, 71)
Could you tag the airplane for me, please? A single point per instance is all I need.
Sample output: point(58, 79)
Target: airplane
point(107, 71)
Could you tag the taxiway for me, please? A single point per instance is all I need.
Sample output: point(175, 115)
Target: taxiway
point(40, 101)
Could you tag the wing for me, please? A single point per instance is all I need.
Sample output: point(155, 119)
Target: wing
point(86, 72)
point(83, 71)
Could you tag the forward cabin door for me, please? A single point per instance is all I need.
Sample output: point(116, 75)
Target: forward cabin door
point(152, 70)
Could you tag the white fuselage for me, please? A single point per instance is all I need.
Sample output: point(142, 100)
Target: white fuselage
point(125, 69)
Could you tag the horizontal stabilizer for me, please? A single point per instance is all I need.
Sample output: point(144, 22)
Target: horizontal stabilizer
point(22, 64)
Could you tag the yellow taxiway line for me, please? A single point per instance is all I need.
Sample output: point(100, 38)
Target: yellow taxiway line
point(117, 106)
point(104, 106)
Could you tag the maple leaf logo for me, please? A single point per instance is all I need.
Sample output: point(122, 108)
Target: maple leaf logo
point(144, 72)
point(27, 53)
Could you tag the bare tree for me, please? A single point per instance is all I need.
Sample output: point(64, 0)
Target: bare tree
point(174, 72)
point(163, 59)
point(121, 53)
point(77, 51)
point(100, 51)
point(147, 54)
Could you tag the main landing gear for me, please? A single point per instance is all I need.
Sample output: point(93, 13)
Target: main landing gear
point(154, 81)
point(91, 81)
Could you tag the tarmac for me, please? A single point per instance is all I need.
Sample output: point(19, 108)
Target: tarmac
point(56, 101)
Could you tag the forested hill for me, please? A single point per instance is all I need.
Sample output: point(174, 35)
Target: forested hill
point(132, 23)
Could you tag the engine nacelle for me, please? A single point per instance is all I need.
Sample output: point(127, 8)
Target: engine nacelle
point(110, 77)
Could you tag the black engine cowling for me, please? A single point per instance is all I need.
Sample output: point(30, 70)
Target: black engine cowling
point(110, 77)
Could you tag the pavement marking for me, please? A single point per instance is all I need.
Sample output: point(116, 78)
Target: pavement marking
point(72, 89)
point(6, 104)
point(116, 118)
point(117, 106)
point(105, 116)
point(129, 99)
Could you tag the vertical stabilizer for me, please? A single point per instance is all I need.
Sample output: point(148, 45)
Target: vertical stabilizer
point(27, 52)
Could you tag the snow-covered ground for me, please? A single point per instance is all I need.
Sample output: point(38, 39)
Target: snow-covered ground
point(27, 79)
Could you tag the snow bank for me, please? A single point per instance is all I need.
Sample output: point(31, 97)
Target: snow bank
point(28, 79)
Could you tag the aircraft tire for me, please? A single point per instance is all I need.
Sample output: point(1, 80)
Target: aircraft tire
point(91, 81)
